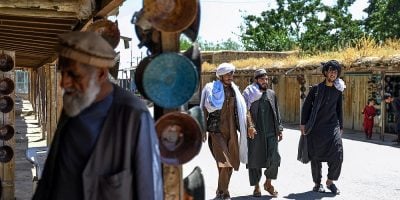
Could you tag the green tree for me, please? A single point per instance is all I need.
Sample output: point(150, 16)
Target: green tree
point(332, 32)
point(228, 44)
point(383, 19)
point(307, 24)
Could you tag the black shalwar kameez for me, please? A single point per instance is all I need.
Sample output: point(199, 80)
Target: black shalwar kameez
point(324, 140)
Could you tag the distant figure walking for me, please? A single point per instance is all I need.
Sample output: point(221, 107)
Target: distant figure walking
point(369, 114)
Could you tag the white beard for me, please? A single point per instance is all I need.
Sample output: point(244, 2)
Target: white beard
point(73, 105)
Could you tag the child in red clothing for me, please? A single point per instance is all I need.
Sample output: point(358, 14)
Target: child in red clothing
point(369, 114)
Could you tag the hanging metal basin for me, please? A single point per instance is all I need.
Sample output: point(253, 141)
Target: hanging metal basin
point(6, 104)
point(179, 138)
point(6, 62)
point(6, 132)
point(139, 75)
point(150, 38)
point(170, 80)
point(6, 154)
point(108, 30)
point(303, 88)
point(193, 30)
point(194, 185)
point(194, 55)
point(197, 113)
point(170, 15)
point(7, 86)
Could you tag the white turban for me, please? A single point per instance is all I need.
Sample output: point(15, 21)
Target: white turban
point(225, 68)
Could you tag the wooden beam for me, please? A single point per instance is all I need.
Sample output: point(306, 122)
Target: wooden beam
point(17, 35)
point(36, 29)
point(108, 6)
point(41, 34)
point(29, 12)
point(38, 19)
point(36, 24)
point(26, 40)
point(18, 43)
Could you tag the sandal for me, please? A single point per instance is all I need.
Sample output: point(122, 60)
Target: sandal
point(257, 192)
point(271, 190)
point(334, 190)
point(319, 188)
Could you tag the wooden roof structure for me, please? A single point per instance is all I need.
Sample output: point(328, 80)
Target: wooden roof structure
point(30, 28)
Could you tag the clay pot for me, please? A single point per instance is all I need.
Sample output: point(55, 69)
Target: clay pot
point(303, 88)
point(6, 104)
point(7, 86)
point(6, 154)
point(6, 132)
point(6, 62)
point(274, 80)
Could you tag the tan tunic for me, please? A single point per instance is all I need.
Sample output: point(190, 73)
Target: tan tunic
point(224, 146)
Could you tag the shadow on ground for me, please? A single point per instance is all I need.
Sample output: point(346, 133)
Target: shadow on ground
point(310, 195)
point(359, 136)
point(250, 197)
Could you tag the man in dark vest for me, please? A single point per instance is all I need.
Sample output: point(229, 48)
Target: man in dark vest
point(322, 118)
point(105, 145)
point(264, 132)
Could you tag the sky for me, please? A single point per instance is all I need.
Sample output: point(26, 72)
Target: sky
point(220, 20)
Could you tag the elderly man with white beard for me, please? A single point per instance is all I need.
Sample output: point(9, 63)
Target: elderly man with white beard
point(105, 145)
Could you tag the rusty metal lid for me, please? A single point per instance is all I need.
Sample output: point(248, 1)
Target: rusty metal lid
point(179, 138)
point(6, 62)
point(6, 86)
point(6, 104)
point(6, 154)
point(170, 80)
point(6, 132)
point(171, 15)
point(108, 30)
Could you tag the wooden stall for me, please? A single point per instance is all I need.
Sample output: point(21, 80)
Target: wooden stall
point(365, 78)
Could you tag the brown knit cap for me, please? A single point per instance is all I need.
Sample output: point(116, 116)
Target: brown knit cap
point(88, 48)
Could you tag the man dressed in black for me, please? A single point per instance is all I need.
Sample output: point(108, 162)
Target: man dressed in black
point(322, 119)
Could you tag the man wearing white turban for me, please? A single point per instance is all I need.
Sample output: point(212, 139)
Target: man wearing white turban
point(225, 110)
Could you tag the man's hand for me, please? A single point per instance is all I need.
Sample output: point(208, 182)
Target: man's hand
point(279, 136)
point(251, 132)
point(302, 129)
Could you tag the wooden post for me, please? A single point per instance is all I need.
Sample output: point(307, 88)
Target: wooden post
point(173, 181)
point(48, 83)
point(7, 170)
point(53, 100)
point(383, 107)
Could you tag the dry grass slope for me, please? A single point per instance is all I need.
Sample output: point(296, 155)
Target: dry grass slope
point(364, 48)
